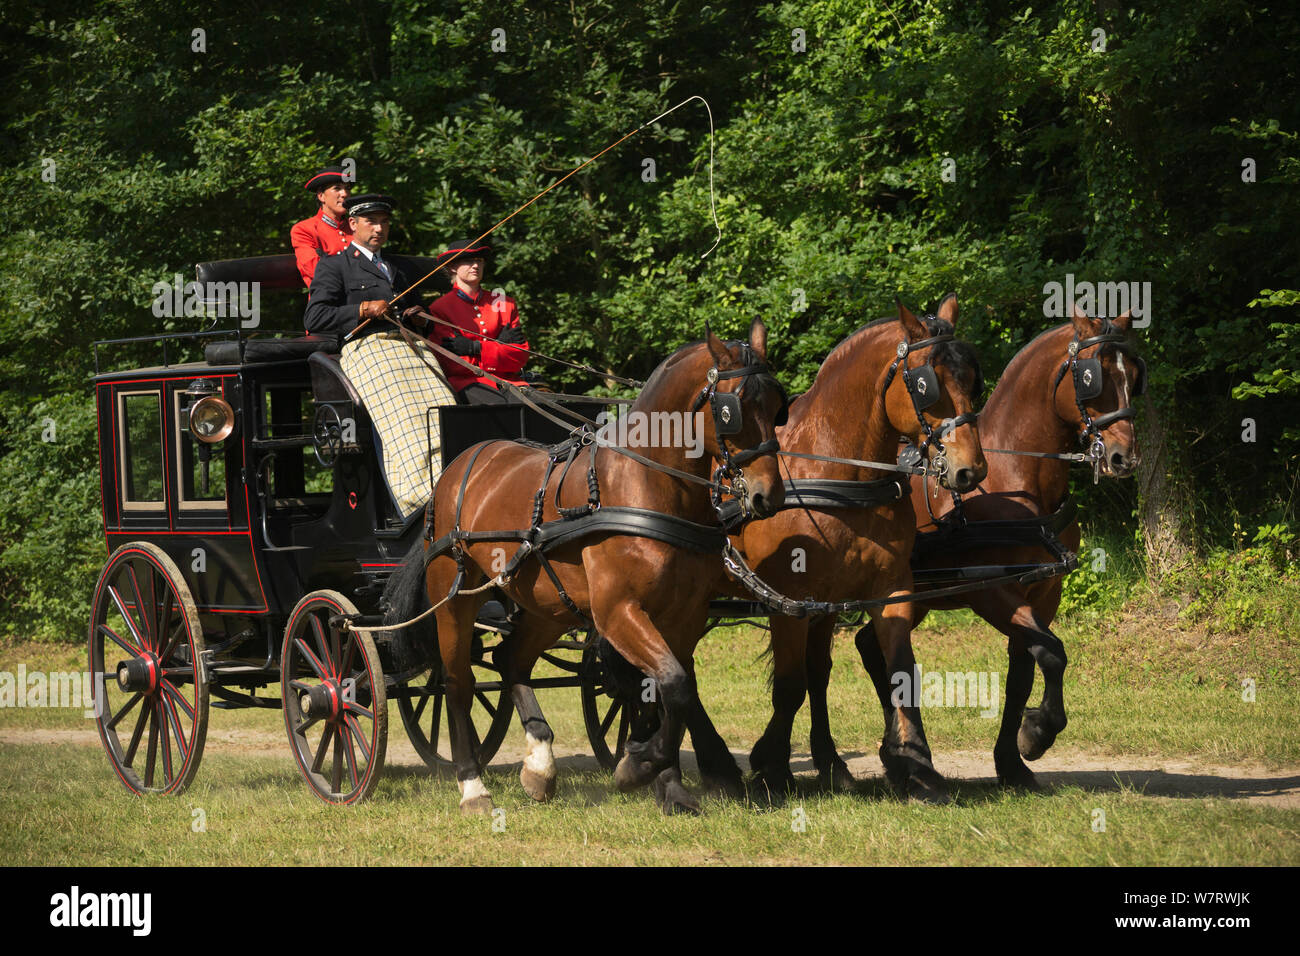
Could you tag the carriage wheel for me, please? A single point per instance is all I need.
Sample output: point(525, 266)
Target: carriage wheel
point(608, 717)
point(146, 660)
point(423, 707)
point(335, 707)
point(327, 435)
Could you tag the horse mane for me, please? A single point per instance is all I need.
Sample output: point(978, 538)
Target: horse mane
point(957, 355)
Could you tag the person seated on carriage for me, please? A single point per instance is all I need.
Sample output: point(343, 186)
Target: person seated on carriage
point(350, 297)
point(481, 327)
point(328, 231)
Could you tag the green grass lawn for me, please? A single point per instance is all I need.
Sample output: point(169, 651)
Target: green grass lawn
point(62, 804)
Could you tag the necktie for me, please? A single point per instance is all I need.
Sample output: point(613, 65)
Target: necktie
point(383, 267)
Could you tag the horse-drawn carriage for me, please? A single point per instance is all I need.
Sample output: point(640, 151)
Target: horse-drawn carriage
point(251, 537)
point(243, 494)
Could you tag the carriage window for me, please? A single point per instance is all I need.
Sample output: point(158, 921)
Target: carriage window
point(190, 454)
point(288, 412)
point(141, 449)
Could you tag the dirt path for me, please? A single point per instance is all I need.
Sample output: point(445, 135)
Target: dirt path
point(1156, 775)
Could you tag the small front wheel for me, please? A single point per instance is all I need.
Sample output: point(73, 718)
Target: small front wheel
point(335, 707)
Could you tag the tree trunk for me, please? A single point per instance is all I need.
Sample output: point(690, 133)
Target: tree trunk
point(1164, 501)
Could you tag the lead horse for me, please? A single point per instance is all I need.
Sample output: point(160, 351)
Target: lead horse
point(639, 562)
point(1070, 385)
point(846, 533)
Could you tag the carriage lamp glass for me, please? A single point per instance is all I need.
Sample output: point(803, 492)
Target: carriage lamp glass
point(211, 419)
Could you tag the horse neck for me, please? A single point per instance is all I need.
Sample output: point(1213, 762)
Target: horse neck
point(1021, 415)
point(638, 485)
point(843, 415)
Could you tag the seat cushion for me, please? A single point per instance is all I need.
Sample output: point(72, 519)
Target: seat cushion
point(269, 350)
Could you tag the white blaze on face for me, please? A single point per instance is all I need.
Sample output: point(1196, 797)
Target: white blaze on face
point(540, 759)
point(1123, 375)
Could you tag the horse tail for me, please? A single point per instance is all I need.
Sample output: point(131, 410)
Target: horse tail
point(405, 597)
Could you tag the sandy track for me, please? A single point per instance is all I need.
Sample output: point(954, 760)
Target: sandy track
point(1156, 775)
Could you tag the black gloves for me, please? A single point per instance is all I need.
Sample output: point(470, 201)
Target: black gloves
point(512, 336)
point(463, 346)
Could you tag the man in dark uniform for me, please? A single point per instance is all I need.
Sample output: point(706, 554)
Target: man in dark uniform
point(328, 231)
point(350, 294)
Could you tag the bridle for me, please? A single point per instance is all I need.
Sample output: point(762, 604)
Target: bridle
point(922, 384)
point(727, 420)
point(1088, 383)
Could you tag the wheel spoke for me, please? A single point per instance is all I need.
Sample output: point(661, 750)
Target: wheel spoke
point(336, 781)
point(355, 708)
point(345, 735)
point(349, 652)
point(419, 708)
point(105, 629)
point(615, 706)
point(318, 634)
point(336, 652)
point(135, 736)
point(153, 748)
point(166, 748)
point(355, 726)
point(178, 731)
point(179, 698)
point(302, 727)
point(436, 724)
point(624, 726)
point(130, 622)
point(320, 751)
point(145, 618)
point(487, 704)
point(315, 665)
point(164, 618)
point(112, 724)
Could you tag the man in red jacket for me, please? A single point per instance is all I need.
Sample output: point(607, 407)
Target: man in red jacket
point(328, 231)
point(480, 326)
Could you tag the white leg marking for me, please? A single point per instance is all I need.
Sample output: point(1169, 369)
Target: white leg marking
point(469, 789)
point(540, 759)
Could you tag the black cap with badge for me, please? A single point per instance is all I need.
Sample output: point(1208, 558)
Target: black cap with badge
point(370, 202)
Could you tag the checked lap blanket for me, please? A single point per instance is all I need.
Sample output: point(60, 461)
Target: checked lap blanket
point(398, 389)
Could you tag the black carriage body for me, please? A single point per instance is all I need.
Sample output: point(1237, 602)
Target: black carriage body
point(274, 524)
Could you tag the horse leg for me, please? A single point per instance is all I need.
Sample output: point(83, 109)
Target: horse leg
point(655, 760)
point(515, 659)
point(718, 768)
point(1012, 771)
point(832, 771)
point(1042, 723)
point(874, 661)
point(770, 758)
point(455, 633)
point(904, 750)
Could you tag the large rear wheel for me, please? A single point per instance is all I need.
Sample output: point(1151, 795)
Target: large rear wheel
point(150, 691)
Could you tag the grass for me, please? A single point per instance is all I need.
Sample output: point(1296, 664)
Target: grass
point(1137, 686)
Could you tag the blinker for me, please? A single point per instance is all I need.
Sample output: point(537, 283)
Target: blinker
point(924, 386)
point(1087, 378)
point(726, 412)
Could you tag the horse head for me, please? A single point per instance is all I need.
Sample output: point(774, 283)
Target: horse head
point(931, 392)
point(1095, 386)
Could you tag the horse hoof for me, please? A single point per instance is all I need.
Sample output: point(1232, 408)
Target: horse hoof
point(632, 773)
point(773, 785)
point(1034, 737)
point(1018, 777)
point(837, 779)
point(472, 806)
point(674, 798)
point(538, 787)
point(928, 787)
point(725, 785)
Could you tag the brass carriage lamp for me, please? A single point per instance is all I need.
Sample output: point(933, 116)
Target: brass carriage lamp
point(211, 420)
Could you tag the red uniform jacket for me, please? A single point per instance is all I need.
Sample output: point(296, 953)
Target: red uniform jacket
point(486, 316)
point(315, 238)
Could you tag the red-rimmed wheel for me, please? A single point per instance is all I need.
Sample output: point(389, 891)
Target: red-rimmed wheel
point(335, 708)
point(146, 664)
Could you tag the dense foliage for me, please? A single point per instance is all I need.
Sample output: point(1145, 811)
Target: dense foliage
point(862, 149)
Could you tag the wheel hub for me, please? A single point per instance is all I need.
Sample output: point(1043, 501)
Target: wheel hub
point(321, 700)
point(139, 674)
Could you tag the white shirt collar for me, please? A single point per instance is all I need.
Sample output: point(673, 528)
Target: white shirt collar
point(364, 251)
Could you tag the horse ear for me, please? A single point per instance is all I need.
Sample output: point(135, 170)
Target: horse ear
point(1124, 321)
point(1083, 325)
point(758, 338)
point(948, 309)
point(910, 323)
point(717, 348)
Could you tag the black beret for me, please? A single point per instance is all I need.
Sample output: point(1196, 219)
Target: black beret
point(329, 176)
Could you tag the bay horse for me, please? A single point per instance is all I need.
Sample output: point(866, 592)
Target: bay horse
point(645, 584)
point(860, 405)
point(1039, 405)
